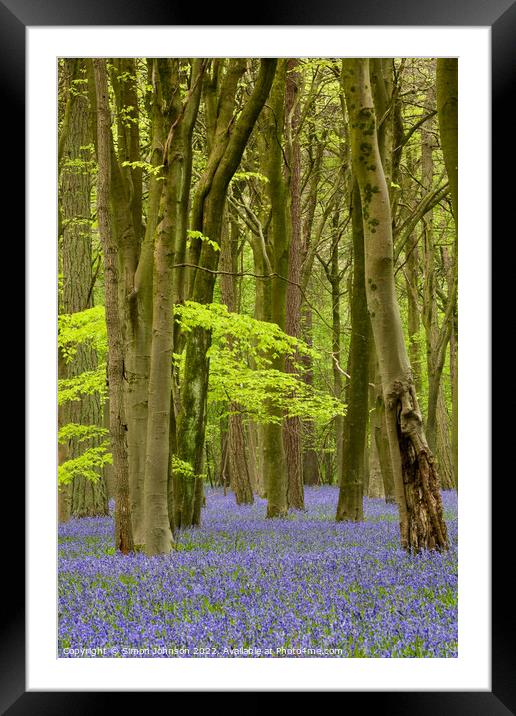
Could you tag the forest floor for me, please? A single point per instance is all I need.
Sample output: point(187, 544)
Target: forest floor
point(242, 585)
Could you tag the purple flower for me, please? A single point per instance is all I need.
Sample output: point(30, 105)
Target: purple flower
point(244, 586)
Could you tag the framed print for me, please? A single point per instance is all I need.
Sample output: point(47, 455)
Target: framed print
point(37, 673)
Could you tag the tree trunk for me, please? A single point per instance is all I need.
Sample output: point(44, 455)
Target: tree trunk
point(417, 483)
point(117, 422)
point(274, 453)
point(334, 277)
point(447, 94)
point(208, 210)
point(350, 505)
point(292, 425)
point(437, 337)
point(443, 445)
point(63, 491)
point(413, 322)
point(87, 498)
point(139, 328)
point(379, 435)
point(447, 112)
point(170, 234)
point(311, 472)
point(253, 460)
point(455, 407)
point(238, 463)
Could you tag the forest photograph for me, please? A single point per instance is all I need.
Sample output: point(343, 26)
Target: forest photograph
point(257, 340)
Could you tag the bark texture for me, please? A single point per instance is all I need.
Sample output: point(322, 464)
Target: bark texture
point(350, 504)
point(170, 234)
point(87, 498)
point(292, 427)
point(117, 422)
point(418, 494)
point(274, 453)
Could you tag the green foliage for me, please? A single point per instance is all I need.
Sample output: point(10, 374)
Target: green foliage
point(199, 235)
point(183, 468)
point(246, 335)
point(82, 328)
point(261, 393)
point(88, 465)
point(240, 373)
point(87, 383)
point(87, 329)
point(239, 176)
point(80, 433)
point(153, 170)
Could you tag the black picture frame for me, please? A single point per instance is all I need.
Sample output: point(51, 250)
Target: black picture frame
point(500, 15)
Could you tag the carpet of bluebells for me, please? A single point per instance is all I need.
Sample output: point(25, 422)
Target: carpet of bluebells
point(242, 585)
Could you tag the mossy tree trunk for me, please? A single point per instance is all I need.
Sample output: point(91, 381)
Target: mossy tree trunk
point(386, 108)
point(350, 504)
point(229, 141)
point(447, 95)
point(117, 420)
point(139, 327)
point(292, 426)
point(447, 112)
point(170, 234)
point(134, 263)
point(334, 275)
point(413, 310)
point(275, 468)
point(418, 493)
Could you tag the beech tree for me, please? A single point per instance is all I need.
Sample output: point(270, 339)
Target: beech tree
point(247, 289)
point(225, 155)
point(117, 420)
point(415, 476)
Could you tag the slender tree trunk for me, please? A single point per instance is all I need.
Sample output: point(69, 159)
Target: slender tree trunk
point(443, 444)
point(413, 322)
point(455, 406)
point(139, 329)
point(334, 276)
point(350, 505)
point(311, 471)
point(170, 233)
point(134, 270)
point(274, 453)
point(381, 440)
point(437, 337)
point(255, 473)
point(117, 422)
point(63, 491)
point(238, 463)
point(447, 94)
point(261, 311)
point(447, 112)
point(417, 483)
point(434, 370)
point(292, 425)
point(375, 486)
